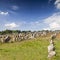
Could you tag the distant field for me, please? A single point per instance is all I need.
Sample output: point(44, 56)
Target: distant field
point(35, 49)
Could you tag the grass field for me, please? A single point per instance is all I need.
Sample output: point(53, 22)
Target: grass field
point(35, 49)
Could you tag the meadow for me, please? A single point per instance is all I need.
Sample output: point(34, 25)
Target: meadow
point(34, 49)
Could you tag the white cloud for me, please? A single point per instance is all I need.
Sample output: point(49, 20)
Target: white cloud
point(3, 13)
point(57, 4)
point(54, 25)
point(36, 23)
point(46, 28)
point(11, 25)
point(57, 1)
point(15, 7)
point(53, 21)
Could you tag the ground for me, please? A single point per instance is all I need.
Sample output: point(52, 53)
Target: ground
point(34, 49)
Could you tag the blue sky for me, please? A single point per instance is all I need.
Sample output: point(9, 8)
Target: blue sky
point(30, 14)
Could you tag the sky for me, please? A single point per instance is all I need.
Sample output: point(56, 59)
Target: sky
point(31, 15)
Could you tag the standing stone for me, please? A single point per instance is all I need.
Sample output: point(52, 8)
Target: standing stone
point(51, 47)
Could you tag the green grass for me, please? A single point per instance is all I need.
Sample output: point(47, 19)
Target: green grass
point(35, 49)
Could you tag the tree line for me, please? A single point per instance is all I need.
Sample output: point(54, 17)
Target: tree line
point(19, 31)
point(12, 31)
